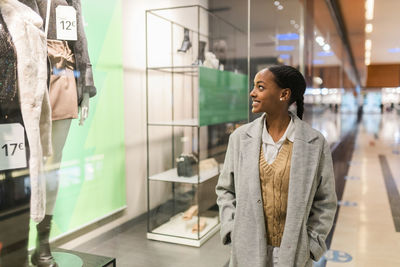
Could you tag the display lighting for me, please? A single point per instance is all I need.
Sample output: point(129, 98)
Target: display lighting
point(284, 56)
point(367, 53)
point(287, 36)
point(369, 7)
point(394, 50)
point(368, 44)
point(285, 48)
point(277, 3)
point(367, 61)
point(326, 47)
point(325, 54)
point(320, 40)
point(368, 28)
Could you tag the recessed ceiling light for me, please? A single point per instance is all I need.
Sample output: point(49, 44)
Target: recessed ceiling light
point(368, 44)
point(326, 47)
point(320, 40)
point(369, 7)
point(368, 28)
point(296, 26)
point(276, 3)
point(292, 21)
point(280, 7)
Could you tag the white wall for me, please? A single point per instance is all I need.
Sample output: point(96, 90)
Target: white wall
point(134, 61)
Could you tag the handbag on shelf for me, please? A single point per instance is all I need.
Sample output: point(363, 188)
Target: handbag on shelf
point(187, 165)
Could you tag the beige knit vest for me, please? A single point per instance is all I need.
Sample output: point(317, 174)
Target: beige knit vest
point(274, 180)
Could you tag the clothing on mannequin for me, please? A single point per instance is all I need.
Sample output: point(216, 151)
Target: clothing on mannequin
point(70, 85)
point(23, 76)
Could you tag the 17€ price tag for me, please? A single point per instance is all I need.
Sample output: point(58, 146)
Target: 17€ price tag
point(66, 23)
point(12, 147)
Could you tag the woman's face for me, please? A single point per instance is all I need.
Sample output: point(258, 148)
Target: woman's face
point(266, 95)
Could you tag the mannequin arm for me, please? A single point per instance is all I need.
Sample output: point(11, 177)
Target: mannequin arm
point(84, 108)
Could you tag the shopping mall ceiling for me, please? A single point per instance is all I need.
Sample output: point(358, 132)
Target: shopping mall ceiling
point(383, 39)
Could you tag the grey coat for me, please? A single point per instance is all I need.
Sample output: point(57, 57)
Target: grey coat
point(311, 201)
point(85, 82)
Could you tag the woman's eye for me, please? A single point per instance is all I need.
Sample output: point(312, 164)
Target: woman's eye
point(261, 87)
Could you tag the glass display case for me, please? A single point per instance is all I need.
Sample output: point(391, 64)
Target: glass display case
point(192, 107)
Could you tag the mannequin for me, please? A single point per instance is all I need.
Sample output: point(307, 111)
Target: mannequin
point(23, 101)
point(70, 85)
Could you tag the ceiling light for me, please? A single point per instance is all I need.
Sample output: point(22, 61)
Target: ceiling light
point(320, 40)
point(287, 36)
point(367, 61)
point(285, 48)
point(394, 50)
point(326, 47)
point(280, 7)
point(296, 26)
point(325, 54)
point(318, 80)
point(369, 7)
point(368, 53)
point(368, 44)
point(276, 3)
point(284, 56)
point(292, 21)
point(368, 28)
point(318, 61)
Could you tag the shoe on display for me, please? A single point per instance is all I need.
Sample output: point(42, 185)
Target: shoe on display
point(186, 44)
point(192, 211)
point(200, 226)
point(42, 257)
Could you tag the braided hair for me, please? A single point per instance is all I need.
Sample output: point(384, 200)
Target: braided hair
point(289, 77)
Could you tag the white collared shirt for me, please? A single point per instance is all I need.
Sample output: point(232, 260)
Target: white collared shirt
point(271, 149)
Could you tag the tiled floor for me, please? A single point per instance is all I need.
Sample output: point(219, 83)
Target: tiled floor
point(132, 249)
point(365, 231)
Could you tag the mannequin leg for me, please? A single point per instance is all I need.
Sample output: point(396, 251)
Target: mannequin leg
point(60, 131)
point(42, 255)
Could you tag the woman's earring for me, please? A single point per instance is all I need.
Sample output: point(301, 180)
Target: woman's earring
point(281, 99)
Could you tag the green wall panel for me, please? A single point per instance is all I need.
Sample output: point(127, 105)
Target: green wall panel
point(223, 96)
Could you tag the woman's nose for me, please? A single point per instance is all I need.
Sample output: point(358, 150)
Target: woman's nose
point(252, 93)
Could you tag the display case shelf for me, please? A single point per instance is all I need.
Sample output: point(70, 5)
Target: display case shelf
point(172, 176)
point(190, 112)
point(179, 231)
point(178, 123)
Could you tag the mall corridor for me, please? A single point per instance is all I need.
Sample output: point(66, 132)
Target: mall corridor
point(366, 155)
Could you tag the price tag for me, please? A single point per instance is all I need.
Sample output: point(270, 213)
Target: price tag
point(66, 23)
point(12, 146)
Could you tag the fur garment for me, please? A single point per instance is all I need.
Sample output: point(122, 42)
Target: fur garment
point(29, 40)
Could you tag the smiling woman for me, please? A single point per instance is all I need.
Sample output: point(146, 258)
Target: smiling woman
point(281, 168)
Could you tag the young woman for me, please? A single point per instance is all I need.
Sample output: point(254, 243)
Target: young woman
point(276, 192)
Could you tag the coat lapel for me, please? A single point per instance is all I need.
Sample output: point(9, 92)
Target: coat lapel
point(250, 153)
point(305, 157)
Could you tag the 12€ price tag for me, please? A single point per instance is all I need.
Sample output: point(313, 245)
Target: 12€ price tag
point(66, 23)
point(12, 146)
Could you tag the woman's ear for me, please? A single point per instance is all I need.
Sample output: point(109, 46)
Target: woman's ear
point(285, 94)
